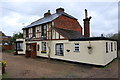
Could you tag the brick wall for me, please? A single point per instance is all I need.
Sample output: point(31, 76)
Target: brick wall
point(7, 47)
point(67, 23)
point(86, 28)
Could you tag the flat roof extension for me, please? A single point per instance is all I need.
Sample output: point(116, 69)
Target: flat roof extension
point(92, 39)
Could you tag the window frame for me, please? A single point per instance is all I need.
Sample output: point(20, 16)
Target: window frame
point(107, 47)
point(34, 32)
point(115, 46)
point(27, 33)
point(19, 46)
point(38, 46)
point(44, 30)
point(43, 47)
point(58, 51)
point(28, 47)
point(111, 47)
point(76, 47)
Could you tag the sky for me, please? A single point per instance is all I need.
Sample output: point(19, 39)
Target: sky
point(17, 14)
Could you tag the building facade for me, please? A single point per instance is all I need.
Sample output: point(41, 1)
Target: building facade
point(59, 36)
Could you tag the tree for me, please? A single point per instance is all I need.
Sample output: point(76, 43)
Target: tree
point(16, 36)
point(116, 37)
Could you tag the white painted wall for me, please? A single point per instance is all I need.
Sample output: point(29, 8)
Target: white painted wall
point(98, 56)
point(111, 54)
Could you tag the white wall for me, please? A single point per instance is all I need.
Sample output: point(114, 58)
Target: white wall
point(111, 54)
point(98, 56)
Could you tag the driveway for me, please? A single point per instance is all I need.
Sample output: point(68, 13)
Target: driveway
point(20, 67)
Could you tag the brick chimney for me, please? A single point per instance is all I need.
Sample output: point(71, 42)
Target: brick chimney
point(60, 10)
point(47, 13)
point(86, 24)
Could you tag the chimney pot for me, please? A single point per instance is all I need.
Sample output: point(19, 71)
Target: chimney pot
point(86, 14)
point(47, 13)
point(59, 10)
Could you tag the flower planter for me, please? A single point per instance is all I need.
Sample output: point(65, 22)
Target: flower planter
point(89, 47)
point(3, 66)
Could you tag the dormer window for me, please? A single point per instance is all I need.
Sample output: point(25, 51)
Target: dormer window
point(44, 30)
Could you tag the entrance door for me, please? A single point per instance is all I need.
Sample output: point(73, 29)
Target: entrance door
point(28, 50)
point(33, 50)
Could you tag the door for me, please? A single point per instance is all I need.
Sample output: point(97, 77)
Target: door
point(28, 50)
point(33, 50)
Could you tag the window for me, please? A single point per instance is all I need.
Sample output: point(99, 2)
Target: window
point(106, 47)
point(19, 46)
point(38, 47)
point(59, 49)
point(27, 32)
point(111, 46)
point(28, 47)
point(43, 47)
point(115, 46)
point(77, 47)
point(34, 31)
point(44, 30)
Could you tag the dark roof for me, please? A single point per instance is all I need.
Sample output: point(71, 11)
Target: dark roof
point(3, 35)
point(48, 19)
point(6, 36)
point(69, 34)
point(92, 39)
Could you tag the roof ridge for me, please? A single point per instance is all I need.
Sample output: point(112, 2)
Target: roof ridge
point(48, 19)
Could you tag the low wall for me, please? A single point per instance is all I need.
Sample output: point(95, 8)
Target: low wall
point(7, 47)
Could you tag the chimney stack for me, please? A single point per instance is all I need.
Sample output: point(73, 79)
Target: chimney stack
point(47, 13)
point(60, 10)
point(86, 24)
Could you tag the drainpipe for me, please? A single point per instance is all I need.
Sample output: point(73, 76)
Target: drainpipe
point(48, 45)
point(50, 42)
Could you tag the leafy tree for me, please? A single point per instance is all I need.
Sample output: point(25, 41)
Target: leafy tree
point(116, 37)
point(16, 36)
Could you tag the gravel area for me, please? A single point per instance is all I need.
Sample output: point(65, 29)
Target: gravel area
point(20, 67)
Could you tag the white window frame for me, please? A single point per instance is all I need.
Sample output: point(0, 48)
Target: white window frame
point(43, 47)
point(76, 47)
point(107, 47)
point(19, 46)
point(115, 46)
point(58, 50)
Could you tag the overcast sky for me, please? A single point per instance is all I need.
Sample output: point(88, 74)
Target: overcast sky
point(17, 14)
